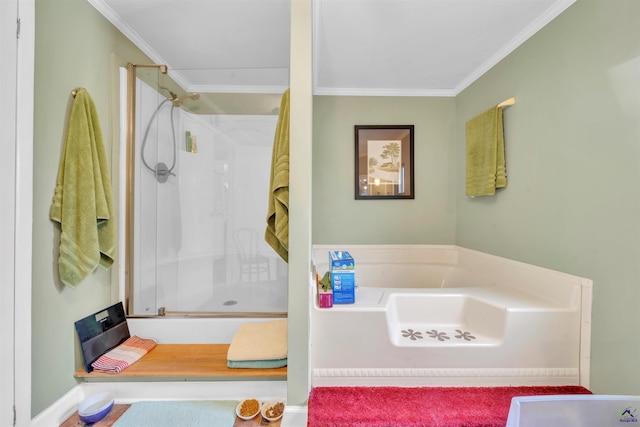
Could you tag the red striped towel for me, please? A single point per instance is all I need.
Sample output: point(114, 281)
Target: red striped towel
point(124, 355)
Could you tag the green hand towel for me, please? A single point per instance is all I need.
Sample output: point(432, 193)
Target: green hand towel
point(277, 232)
point(82, 202)
point(485, 154)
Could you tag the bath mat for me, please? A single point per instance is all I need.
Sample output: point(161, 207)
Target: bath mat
point(188, 413)
point(419, 406)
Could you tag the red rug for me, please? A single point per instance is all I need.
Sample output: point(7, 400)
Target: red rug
point(419, 407)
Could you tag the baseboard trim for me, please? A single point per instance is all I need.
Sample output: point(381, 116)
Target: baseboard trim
point(295, 416)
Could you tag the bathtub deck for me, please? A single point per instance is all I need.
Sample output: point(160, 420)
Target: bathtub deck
point(179, 362)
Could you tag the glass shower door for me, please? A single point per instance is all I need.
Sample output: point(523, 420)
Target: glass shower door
point(199, 205)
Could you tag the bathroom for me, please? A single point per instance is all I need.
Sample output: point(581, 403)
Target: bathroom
point(557, 212)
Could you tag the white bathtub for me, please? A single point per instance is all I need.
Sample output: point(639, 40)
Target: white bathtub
point(445, 315)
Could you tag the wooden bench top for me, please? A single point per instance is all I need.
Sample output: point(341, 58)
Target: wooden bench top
point(185, 362)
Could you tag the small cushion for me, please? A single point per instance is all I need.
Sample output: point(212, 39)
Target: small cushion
point(257, 364)
point(260, 341)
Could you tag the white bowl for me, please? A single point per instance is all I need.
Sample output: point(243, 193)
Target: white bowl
point(96, 407)
point(266, 410)
point(249, 416)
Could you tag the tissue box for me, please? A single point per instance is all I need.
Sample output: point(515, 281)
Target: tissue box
point(343, 277)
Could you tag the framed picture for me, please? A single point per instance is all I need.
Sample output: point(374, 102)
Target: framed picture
point(384, 162)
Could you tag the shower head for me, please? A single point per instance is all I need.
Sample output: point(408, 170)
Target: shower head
point(178, 100)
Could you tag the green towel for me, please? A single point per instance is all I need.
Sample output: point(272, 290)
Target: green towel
point(277, 232)
point(485, 154)
point(82, 203)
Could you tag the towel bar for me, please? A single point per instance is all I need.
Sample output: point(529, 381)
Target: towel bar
point(507, 102)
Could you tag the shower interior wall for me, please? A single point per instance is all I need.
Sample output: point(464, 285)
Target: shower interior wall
point(187, 257)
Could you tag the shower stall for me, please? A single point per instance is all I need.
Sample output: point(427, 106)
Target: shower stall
point(196, 187)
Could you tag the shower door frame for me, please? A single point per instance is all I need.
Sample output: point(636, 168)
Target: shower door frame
point(129, 263)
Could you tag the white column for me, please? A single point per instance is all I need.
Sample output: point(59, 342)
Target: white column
point(300, 136)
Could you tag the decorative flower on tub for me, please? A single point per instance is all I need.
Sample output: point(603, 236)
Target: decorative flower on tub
point(464, 335)
point(440, 336)
point(411, 334)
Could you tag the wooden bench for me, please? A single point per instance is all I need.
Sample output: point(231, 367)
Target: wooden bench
point(181, 362)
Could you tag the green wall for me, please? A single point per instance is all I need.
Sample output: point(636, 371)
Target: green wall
point(573, 165)
point(75, 47)
point(338, 217)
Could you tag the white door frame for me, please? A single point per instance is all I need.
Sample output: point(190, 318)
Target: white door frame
point(8, 52)
point(17, 32)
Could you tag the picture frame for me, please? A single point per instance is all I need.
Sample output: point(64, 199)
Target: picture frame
point(384, 167)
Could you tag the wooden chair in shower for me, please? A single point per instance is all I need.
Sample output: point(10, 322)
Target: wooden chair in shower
point(254, 267)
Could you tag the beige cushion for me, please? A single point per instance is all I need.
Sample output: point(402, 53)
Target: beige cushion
point(259, 341)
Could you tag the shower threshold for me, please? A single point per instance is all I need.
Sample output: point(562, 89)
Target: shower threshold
point(212, 314)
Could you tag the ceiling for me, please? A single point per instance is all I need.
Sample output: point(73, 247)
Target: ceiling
point(360, 47)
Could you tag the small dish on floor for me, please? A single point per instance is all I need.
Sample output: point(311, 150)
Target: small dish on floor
point(96, 407)
point(272, 410)
point(248, 408)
